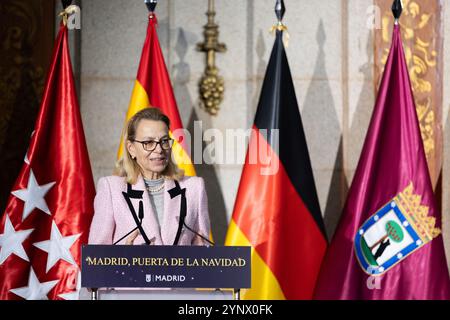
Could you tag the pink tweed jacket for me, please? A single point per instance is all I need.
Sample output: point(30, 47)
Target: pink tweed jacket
point(113, 219)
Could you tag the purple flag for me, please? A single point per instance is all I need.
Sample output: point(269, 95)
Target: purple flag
point(388, 243)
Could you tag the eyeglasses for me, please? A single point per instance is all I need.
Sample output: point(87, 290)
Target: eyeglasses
point(150, 145)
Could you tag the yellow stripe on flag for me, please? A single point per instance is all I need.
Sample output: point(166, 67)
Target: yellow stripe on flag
point(139, 101)
point(182, 159)
point(264, 284)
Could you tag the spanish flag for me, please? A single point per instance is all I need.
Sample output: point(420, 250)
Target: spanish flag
point(277, 211)
point(154, 90)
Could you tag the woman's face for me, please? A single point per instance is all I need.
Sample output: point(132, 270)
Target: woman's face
point(152, 163)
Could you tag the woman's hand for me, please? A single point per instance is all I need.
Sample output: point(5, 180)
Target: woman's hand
point(131, 238)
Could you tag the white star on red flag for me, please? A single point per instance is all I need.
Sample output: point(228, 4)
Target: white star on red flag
point(35, 289)
point(33, 196)
point(58, 247)
point(11, 242)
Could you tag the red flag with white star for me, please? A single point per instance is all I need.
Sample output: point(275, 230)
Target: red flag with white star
point(50, 208)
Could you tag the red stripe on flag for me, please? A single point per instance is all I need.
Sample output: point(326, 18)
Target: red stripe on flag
point(153, 76)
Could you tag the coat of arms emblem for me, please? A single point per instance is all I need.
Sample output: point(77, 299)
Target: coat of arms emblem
point(397, 230)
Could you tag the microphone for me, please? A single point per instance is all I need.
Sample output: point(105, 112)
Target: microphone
point(141, 217)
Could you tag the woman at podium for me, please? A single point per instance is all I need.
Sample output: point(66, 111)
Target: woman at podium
point(149, 200)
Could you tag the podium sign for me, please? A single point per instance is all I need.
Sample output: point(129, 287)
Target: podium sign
point(119, 266)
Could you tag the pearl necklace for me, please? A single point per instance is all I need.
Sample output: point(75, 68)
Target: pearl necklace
point(154, 190)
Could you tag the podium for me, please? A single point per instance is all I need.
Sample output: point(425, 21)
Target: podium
point(116, 272)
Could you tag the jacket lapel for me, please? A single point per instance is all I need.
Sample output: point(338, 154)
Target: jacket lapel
point(171, 214)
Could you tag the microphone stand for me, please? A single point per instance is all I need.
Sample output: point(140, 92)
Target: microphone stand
point(175, 192)
point(198, 234)
point(141, 217)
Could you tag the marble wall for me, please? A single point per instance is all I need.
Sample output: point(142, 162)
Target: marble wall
point(331, 58)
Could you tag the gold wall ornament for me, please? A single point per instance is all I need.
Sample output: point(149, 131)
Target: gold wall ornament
point(211, 85)
point(421, 26)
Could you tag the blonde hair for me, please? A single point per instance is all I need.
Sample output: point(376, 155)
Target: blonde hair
point(129, 168)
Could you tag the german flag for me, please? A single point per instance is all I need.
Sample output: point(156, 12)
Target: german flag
point(277, 211)
point(153, 89)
